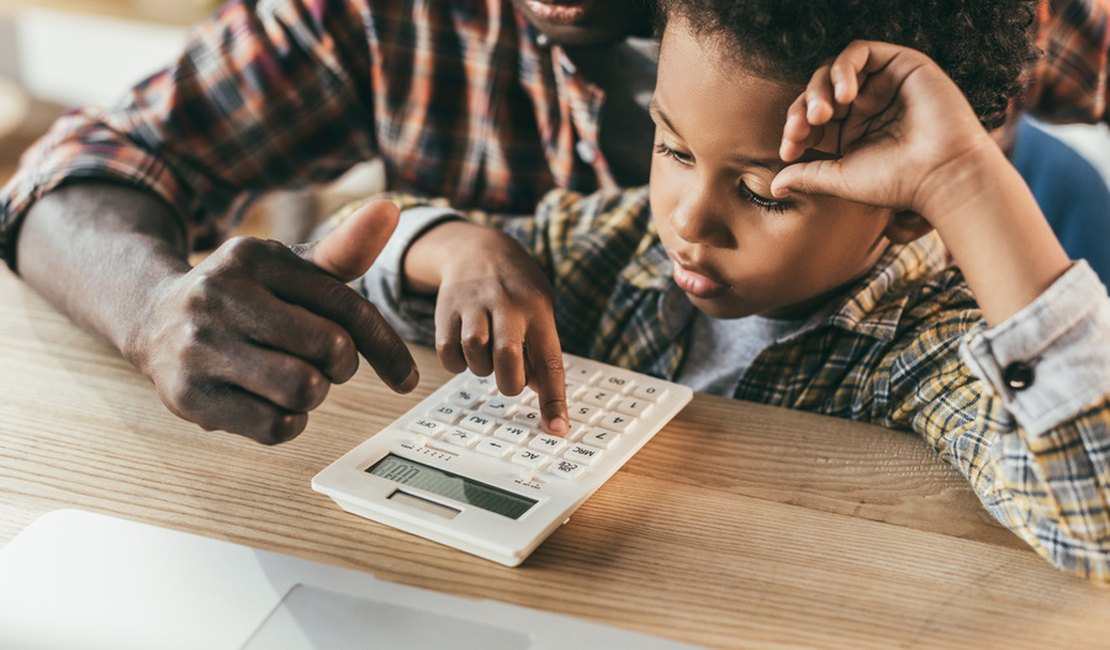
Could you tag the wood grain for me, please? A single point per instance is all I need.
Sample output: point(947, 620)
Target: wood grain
point(739, 525)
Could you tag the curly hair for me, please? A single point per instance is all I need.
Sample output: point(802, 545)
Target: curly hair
point(985, 46)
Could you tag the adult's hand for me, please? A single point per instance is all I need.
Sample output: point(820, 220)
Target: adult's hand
point(251, 339)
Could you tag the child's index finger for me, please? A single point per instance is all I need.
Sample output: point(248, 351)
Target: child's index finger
point(548, 377)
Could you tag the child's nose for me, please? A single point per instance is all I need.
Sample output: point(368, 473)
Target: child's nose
point(699, 219)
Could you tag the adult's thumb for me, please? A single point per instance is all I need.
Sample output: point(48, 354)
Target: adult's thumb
point(347, 252)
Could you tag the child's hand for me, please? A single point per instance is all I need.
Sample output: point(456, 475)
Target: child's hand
point(494, 314)
point(897, 126)
point(900, 134)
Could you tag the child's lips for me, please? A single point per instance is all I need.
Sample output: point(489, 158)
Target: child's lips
point(696, 283)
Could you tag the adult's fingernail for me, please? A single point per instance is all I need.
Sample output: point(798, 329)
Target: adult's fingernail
point(410, 382)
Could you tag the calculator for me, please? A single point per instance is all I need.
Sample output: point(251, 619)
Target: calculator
point(471, 468)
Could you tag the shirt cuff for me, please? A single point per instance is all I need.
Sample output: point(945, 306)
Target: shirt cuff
point(412, 316)
point(62, 157)
point(1051, 359)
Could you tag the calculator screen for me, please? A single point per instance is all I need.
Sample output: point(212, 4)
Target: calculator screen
point(452, 486)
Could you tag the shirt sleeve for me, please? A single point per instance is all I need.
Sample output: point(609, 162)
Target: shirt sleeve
point(265, 94)
point(1023, 410)
point(1069, 81)
point(413, 316)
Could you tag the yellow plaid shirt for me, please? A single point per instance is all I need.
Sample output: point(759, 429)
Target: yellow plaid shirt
point(889, 353)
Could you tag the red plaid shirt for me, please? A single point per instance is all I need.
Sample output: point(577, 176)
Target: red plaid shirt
point(456, 97)
point(1070, 80)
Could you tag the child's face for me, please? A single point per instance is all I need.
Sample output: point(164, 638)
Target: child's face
point(736, 251)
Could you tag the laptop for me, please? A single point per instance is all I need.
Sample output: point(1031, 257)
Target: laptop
point(75, 579)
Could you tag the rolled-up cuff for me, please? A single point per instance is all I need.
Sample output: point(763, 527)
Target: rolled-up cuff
point(1051, 359)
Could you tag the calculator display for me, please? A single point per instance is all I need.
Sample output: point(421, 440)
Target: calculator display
point(452, 486)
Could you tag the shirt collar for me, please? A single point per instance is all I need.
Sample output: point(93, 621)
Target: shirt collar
point(876, 302)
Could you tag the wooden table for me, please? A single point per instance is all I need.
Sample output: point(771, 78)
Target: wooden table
point(738, 525)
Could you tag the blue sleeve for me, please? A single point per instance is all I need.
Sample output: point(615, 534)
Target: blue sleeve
point(1070, 191)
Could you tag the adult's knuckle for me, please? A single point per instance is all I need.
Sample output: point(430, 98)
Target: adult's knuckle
point(242, 249)
point(201, 291)
point(178, 395)
point(330, 347)
point(308, 391)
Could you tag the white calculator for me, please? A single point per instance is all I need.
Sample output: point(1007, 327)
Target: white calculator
point(470, 468)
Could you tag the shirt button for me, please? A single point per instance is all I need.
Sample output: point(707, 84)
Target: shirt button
point(1018, 375)
point(542, 40)
point(586, 151)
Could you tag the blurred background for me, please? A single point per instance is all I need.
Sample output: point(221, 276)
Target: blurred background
point(56, 54)
point(60, 53)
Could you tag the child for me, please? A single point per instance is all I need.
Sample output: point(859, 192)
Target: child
point(789, 251)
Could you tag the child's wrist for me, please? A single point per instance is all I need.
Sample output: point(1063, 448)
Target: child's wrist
point(968, 177)
point(429, 256)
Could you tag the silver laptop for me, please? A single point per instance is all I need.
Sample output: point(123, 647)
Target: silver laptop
point(74, 579)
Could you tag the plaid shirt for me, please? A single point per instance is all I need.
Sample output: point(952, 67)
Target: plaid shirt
point(456, 97)
point(905, 348)
point(1070, 81)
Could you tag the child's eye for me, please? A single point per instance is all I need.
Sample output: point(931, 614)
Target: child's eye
point(677, 156)
point(761, 201)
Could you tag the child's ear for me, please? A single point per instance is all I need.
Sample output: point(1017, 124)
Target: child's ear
point(905, 227)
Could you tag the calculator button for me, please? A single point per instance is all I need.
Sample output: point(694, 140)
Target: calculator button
point(567, 469)
point(598, 397)
point(585, 454)
point(466, 397)
point(515, 433)
point(615, 383)
point(478, 423)
point(615, 421)
point(602, 438)
point(583, 374)
point(492, 447)
point(576, 431)
point(633, 406)
point(448, 413)
point(482, 385)
point(461, 437)
point(548, 443)
point(583, 412)
point(530, 458)
point(649, 392)
point(427, 426)
point(527, 415)
point(498, 407)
